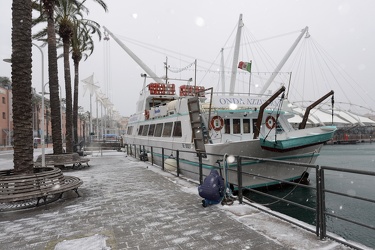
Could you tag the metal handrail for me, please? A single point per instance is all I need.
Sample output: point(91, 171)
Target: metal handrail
point(319, 189)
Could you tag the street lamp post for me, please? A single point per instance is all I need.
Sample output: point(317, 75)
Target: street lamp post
point(7, 60)
point(42, 130)
point(61, 106)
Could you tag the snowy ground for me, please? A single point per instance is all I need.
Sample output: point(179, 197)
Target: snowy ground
point(105, 168)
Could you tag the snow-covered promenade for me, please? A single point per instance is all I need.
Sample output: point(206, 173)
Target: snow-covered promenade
point(128, 204)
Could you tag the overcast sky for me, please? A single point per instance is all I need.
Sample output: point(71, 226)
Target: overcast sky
point(199, 29)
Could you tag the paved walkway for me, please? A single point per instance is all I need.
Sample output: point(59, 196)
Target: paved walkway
point(127, 204)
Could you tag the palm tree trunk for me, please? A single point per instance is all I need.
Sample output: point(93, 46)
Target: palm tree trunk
point(75, 102)
point(21, 80)
point(68, 96)
point(53, 80)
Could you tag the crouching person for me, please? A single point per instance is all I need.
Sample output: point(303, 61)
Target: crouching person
point(212, 189)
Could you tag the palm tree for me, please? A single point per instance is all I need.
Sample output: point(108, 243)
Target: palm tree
point(69, 25)
point(47, 10)
point(66, 15)
point(82, 42)
point(21, 78)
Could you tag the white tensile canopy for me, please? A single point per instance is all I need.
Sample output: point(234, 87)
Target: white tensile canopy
point(324, 117)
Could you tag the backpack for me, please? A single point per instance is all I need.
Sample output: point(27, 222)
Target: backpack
point(212, 187)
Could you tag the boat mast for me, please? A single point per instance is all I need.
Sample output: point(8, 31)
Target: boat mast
point(135, 58)
point(235, 56)
point(283, 61)
point(222, 72)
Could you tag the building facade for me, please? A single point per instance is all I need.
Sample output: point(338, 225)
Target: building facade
point(6, 118)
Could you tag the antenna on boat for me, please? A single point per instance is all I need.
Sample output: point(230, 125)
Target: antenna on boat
point(235, 56)
point(144, 82)
point(195, 72)
point(135, 58)
point(166, 69)
point(283, 61)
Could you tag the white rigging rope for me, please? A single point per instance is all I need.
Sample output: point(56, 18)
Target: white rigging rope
point(322, 73)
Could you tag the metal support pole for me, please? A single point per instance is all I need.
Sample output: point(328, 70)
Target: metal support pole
point(178, 162)
point(42, 110)
point(162, 159)
point(323, 228)
point(152, 156)
point(239, 178)
point(321, 210)
point(90, 118)
point(200, 169)
point(61, 114)
point(318, 201)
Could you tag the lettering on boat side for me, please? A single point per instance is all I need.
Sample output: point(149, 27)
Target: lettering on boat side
point(185, 145)
point(246, 101)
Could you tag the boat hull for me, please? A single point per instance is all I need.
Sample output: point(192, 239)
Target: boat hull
point(303, 138)
point(252, 170)
point(259, 174)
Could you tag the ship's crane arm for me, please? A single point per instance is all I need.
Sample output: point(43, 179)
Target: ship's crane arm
point(135, 58)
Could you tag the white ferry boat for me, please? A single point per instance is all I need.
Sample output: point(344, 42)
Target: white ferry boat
point(208, 127)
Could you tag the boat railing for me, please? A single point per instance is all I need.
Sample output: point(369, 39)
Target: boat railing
point(218, 93)
point(319, 191)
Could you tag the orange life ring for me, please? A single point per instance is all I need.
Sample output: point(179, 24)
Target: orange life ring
point(270, 122)
point(147, 114)
point(217, 123)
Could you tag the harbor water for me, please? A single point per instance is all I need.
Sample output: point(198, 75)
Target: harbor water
point(359, 156)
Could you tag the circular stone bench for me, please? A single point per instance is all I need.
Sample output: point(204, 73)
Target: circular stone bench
point(39, 185)
point(62, 160)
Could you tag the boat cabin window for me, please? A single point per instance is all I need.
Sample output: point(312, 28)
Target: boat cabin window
point(145, 130)
point(246, 126)
point(140, 130)
point(236, 126)
point(255, 125)
point(158, 129)
point(227, 126)
point(151, 130)
point(177, 131)
point(130, 130)
point(279, 128)
point(239, 126)
point(167, 131)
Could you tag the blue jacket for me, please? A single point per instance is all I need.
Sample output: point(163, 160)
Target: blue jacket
point(212, 187)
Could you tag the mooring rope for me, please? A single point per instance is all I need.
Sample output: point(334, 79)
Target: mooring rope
point(282, 198)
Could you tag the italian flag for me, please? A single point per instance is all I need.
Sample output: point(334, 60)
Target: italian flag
point(245, 66)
